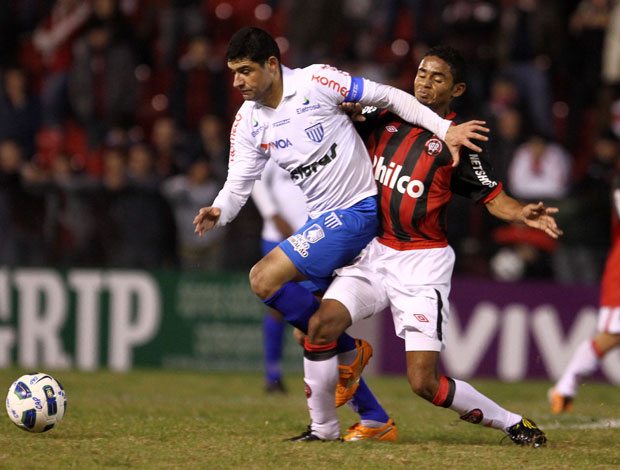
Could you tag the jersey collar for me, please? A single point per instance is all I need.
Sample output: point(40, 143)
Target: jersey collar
point(288, 87)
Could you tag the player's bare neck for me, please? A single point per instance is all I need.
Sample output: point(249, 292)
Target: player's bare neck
point(442, 111)
point(274, 97)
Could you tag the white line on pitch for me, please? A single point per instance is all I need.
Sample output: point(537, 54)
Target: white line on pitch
point(600, 424)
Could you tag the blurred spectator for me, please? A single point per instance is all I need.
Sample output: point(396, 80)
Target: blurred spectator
point(20, 113)
point(529, 42)
point(102, 83)
point(53, 39)
point(170, 146)
point(22, 208)
point(583, 216)
point(540, 169)
point(135, 223)
point(587, 26)
point(187, 193)
point(200, 84)
point(71, 221)
point(212, 143)
point(141, 167)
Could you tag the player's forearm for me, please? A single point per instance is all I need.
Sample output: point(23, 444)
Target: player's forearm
point(405, 106)
point(231, 198)
point(506, 208)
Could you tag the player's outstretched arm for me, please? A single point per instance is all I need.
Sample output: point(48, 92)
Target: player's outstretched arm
point(533, 215)
point(462, 135)
point(206, 219)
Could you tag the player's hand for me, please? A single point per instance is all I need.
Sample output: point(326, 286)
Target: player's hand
point(206, 219)
point(354, 110)
point(540, 217)
point(463, 134)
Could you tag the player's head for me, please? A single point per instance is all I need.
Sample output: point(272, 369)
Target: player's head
point(254, 57)
point(440, 78)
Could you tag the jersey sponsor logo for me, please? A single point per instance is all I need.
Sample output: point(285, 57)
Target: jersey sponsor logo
point(389, 176)
point(233, 136)
point(330, 83)
point(300, 244)
point(368, 109)
point(474, 416)
point(301, 241)
point(278, 144)
point(258, 130)
point(315, 133)
point(283, 122)
point(391, 129)
point(482, 176)
point(433, 147)
point(307, 106)
point(420, 317)
point(304, 171)
point(333, 221)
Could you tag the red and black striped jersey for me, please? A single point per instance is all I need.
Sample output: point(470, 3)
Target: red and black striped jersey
point(415, 179)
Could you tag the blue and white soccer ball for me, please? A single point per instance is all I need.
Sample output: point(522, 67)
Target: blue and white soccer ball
point(36, 402)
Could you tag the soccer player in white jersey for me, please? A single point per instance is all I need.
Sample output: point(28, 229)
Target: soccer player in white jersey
point(292, 117)
point(408, 266)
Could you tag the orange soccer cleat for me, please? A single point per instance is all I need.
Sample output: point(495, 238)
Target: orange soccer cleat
point(357, 432)
point(559, 403)
point(349, 376)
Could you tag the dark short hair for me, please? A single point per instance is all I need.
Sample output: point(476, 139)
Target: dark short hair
point(454, 59)
point(252, 43)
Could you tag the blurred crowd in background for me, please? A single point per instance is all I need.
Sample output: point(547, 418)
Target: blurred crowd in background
point(115, 114)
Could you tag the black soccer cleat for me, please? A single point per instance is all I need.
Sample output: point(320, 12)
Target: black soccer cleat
point(307, 436)
point(275, 387)
point(526, 433)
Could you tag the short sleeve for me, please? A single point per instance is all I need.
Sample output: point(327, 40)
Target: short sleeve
point(474, 178)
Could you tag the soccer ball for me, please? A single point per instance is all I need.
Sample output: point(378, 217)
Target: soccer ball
point(36, 402)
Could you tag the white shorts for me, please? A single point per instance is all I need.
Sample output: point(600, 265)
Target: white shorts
point(414, 284)
point(609, 320)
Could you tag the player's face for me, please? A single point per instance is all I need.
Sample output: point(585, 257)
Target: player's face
point(252, 79)
point(434, 85)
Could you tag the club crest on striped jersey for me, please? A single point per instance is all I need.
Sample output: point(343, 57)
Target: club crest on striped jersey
point(315, 133)
point(433, 147)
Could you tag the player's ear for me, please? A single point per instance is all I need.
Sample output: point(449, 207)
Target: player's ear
point(272, 64)
point(458, 89)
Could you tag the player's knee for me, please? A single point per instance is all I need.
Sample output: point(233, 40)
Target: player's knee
point(323, 328)
point(423, 385)
point(260, 282)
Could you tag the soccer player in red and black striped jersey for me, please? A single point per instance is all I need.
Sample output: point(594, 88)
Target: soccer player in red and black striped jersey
point(409, 265)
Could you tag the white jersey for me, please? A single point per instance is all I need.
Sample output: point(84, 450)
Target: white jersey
point(312, 139)
point(276, 194)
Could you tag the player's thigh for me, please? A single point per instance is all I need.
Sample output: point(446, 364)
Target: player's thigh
point(271, 272)
point(361, 294)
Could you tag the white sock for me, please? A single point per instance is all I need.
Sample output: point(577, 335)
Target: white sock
point(321, 378)
point(583, 363)
point(474, 407)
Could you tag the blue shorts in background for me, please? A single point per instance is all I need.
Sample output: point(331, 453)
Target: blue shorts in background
point(332, 240)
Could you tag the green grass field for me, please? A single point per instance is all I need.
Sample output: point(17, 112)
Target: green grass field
point(159, 419)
